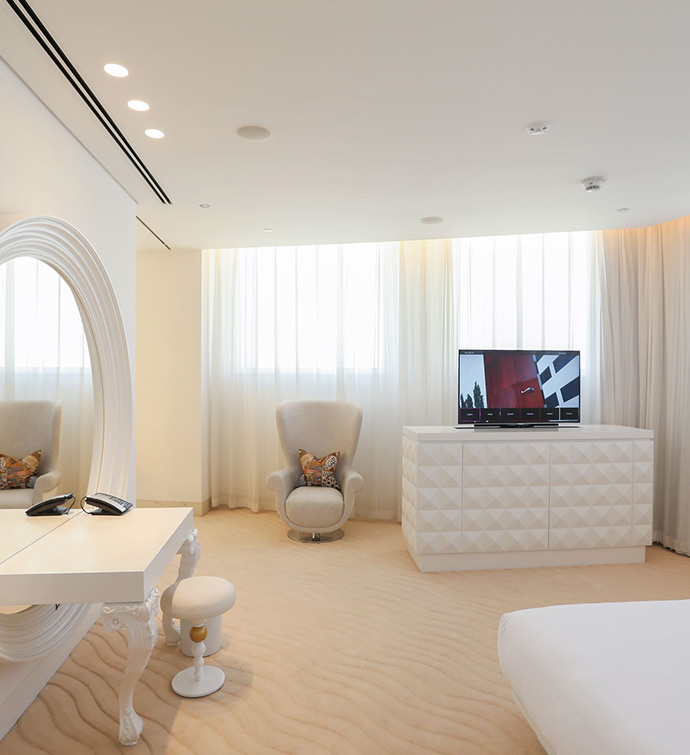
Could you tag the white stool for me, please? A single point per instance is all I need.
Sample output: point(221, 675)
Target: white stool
point(175, 636)
point(194, 600)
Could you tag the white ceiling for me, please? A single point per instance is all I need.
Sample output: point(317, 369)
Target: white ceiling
point(382, 112)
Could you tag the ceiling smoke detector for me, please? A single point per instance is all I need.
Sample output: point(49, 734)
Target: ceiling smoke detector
point(593, 183)
point(538, 128)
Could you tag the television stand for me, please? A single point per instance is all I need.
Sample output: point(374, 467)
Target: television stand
point(494, 500)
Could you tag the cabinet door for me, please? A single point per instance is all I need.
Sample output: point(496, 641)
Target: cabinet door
point(432, 497)
point(591, 501)
point(505, 497)
point(643, 489)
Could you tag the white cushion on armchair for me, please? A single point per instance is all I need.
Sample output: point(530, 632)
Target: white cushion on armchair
point(314, 507)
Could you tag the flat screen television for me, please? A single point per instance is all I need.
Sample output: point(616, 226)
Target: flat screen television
point(510, 387)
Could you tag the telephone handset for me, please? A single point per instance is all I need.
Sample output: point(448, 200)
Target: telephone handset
point(107, 504)
point(51, 506)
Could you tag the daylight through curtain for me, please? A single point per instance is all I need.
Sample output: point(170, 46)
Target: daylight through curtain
point(43, 355)
point(379, 324)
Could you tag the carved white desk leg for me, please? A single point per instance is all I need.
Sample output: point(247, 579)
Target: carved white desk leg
point(190, 552)
point(139, 619)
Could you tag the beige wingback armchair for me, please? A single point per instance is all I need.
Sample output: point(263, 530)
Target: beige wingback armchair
point(316, 514)
point(27, 426)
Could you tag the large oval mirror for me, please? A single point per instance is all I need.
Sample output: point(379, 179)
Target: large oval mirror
point(63, 249)
point(44, 356)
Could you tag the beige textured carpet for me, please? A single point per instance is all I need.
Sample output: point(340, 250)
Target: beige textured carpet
point(333, 648)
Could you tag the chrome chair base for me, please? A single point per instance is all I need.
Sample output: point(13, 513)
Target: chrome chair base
point(315, 537)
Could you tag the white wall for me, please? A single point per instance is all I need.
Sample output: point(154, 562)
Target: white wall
point(170, 416)
point(45, 171)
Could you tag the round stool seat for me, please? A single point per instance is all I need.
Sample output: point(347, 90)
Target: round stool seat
point(198, 598)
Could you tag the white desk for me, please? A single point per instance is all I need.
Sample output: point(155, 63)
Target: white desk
point(82, 559)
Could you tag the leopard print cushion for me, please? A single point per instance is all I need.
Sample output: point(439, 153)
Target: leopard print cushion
point(17, 473)
point(320, 472)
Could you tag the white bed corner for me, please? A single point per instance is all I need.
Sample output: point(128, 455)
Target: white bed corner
point(602, 679)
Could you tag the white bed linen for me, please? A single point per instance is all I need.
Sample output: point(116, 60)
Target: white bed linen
point(602, 679)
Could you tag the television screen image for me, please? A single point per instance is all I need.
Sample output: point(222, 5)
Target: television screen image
point(503, 387)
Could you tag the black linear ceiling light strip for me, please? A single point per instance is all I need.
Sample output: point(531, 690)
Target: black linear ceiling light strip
point(38, 30)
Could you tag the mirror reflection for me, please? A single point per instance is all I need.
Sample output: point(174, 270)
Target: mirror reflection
point(43, 356)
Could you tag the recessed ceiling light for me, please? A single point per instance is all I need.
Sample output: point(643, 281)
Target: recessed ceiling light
point(623, 209)
point(431, 220)
point(205, 206)
point(268, 230)
point(254, 133)
point(538, 128)
point(139, 105)
point(154, 133)
point(116, 70)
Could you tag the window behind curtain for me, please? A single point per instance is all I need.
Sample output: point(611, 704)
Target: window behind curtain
point(307, 308)
point(379, 324)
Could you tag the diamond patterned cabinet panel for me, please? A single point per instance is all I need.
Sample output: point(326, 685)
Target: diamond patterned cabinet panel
point(591, 497)
point(438, 521)
point(501, 454)
point(564, 496)
point(643, 512)
point(409, 471)
point(439, 454)
point(642, 534)
point(508, 476)
point(644, 450)
point(439, 477)
point(505, 540)
point(612, 452)
point(429, 543)
point(643, 471)
point(590, 516)
point(643, 492)
point(505, 497)
point(431, 499)
point(409, 493)
point(409, 513)
point(409, 536)
point(589, 537)
point(583, 453)
point(509, 519)
point(409, 450)
point(519, 497)
point(593, 473)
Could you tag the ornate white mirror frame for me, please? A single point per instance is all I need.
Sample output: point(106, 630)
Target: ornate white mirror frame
point(63, 248)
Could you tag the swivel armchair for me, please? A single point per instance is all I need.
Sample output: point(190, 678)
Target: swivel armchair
point(25, 427)
point(314, 513)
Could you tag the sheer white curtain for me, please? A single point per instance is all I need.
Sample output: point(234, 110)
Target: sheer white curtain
point(537, 291)
point(646, 366)
point(378, 324)
point(308, 322)
point(43, 355)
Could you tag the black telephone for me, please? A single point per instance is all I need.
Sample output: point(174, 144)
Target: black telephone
point(107, 504)
point(51, 506)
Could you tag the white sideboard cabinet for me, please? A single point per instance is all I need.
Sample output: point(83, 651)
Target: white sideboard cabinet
point(494, 498)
